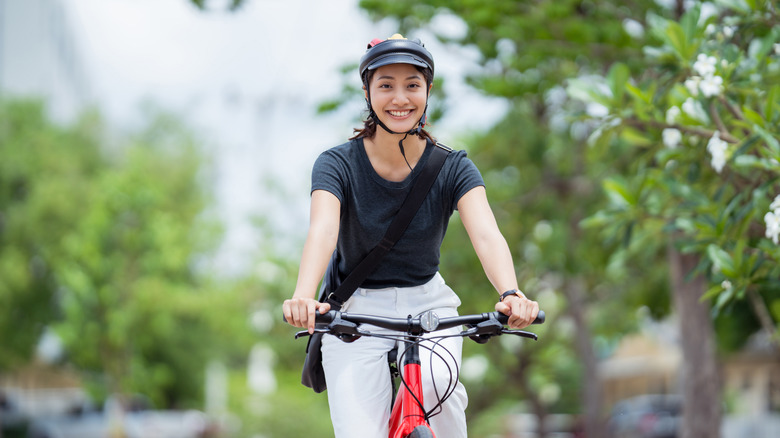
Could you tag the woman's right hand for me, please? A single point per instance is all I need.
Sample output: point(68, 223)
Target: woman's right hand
point(300, 312)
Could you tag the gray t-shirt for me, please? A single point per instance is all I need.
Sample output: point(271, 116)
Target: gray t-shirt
point(369, 203)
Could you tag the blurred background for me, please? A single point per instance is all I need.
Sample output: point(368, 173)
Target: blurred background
point(154, 181)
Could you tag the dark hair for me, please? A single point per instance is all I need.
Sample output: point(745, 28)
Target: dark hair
point(369, 125)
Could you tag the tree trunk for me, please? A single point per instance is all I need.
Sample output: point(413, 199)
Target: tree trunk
point(522, 376)
point(700, 378)
point(592, 400)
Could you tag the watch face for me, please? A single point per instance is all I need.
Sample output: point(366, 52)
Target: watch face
point(429, 321)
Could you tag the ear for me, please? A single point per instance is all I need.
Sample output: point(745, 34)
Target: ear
point(365, 92)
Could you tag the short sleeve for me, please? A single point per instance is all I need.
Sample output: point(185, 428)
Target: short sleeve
point(465, 176)
point(328, 174)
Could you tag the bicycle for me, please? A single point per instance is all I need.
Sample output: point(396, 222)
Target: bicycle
point(408, 418)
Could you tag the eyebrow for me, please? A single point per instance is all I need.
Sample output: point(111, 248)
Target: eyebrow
point(415, 76)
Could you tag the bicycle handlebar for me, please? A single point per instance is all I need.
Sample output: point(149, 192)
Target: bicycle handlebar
point(418, 324)
point(481, 326)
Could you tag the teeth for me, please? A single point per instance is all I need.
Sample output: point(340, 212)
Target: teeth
point(399, 113)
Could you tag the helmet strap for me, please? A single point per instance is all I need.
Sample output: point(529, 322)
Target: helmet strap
point(416, 130)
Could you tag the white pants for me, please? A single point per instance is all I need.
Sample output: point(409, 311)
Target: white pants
point(359, 384)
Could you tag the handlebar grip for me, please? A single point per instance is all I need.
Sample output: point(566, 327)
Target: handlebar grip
point(540, 317)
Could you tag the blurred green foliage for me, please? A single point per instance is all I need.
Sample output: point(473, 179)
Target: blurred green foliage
point(101, 241)
point(699, 129)
point(46, 173)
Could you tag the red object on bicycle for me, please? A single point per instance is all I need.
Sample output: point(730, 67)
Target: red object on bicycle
point(407, 412)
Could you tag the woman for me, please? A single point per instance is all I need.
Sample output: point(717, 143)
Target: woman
point(357, 188)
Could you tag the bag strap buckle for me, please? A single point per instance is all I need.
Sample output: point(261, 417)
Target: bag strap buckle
point(334, 301)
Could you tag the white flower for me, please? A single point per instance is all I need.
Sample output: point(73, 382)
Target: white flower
point(717, 148)
point(726, 285)
point(775, 205)
point(596, 110)
point(777, 48)
point(633, 28)
point(711, 86)
point(728, 31)
point(694, 109)
point(707, 10)
point(772, 220)
point(672, 114)
point(692, 84)
point(705, 65)
point(672, 137)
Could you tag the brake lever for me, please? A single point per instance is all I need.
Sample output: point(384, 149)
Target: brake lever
point(520, 333)
point(304, 333)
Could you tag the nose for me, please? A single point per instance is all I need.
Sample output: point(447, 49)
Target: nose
point(400, 97)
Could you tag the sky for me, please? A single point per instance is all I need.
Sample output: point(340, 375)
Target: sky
point(249, 83)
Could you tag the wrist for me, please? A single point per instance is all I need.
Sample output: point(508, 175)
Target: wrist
point(512, 292)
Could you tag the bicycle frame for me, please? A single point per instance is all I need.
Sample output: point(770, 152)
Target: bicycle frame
point(407, 412)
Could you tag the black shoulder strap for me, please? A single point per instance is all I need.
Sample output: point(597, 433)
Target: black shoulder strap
point(396, 229)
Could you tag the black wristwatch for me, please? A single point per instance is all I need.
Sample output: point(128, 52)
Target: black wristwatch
point(510, 293)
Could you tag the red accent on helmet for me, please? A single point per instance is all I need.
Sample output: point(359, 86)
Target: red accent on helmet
point(374, 42)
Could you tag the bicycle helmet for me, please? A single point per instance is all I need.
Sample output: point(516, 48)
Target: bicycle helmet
point(395, 50)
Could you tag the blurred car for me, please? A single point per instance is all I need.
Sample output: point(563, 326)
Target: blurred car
point(12, 420)
point(134, 418)
point(646, 416)
point(141, 424)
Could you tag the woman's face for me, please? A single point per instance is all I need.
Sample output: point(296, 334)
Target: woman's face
point(398, 96)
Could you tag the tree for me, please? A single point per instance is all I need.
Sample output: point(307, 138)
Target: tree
point(108, 246)
point(45, 173)
point(699, 129)
point(136, 309)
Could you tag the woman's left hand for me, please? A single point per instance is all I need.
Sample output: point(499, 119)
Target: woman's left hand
point(520, 310)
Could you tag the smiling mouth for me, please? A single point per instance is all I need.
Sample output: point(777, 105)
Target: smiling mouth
point(400, 113)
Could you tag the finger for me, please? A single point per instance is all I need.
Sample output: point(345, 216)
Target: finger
point(323, 307)
point(534, 311)
point(286, 312)
point(295, 310)
point(503, 308)
point(311, 308)
point(521, 312)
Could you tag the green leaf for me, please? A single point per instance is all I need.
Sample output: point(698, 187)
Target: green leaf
point(769, 109)
point(721, 259)
point(771, 141)
point(617, 78)
point(675, 37)
point(639, 94)
point(724, 298)
point(599, 219)
point(753, 116)
point(618, 192)
point(712, 292)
